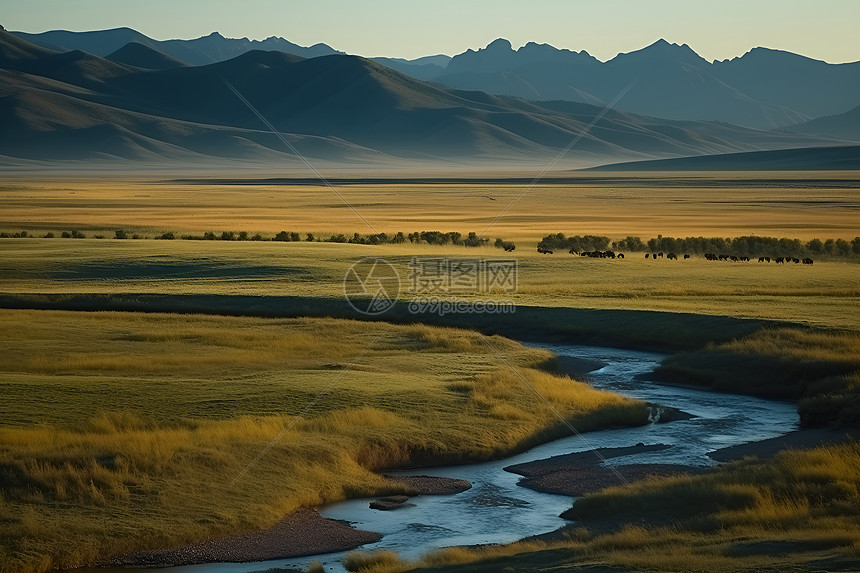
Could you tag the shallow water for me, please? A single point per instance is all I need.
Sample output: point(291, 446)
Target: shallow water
point(497, 510)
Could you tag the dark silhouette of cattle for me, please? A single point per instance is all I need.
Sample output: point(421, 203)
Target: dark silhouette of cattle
point(621, 256)
point(686, 256)
point(647, 255)
point(807, 261)
point(795, 261)
point(779, 260)
point(672, 257)
point(660, 255)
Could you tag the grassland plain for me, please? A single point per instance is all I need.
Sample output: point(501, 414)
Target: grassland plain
point(797, 204)
point(123, 427)
point(826, 294)
point(722, 311)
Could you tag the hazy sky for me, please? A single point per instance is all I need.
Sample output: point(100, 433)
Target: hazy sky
point(822, 29)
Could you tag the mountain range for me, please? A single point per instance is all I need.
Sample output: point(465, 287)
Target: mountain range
point(141, 103)
point(764, 88)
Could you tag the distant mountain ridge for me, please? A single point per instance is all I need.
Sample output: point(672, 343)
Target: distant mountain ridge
point(764, 88)
point(78, 106)
point(197, 52)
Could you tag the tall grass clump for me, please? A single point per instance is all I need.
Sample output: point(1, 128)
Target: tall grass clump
point(374, 562)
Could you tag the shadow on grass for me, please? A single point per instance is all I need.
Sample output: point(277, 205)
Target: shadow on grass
point(644, 330)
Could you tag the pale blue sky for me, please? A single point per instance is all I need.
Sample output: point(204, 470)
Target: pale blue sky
point(822, 29)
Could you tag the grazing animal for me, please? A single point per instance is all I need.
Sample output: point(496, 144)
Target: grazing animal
point(795, 261)
point(807, 261)
point(621, 256)
point(767, 259)
point(761, 259)
point(779, 260)
point(647, 255)
point(660, 255)
point(672, 257)
point(686, 256)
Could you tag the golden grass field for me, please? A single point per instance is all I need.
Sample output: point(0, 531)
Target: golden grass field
point(795, 205)
point(715, 204)
point(122, 426)
point(826, 294)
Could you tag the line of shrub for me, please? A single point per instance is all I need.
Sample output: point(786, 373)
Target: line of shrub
point(423, 237)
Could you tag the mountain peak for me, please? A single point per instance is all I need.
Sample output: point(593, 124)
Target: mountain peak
point(661, 50)
point(500, 44)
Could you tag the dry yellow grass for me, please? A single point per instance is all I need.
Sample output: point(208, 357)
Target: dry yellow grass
point(124, 427)
point(778, 204)
point(826, 294)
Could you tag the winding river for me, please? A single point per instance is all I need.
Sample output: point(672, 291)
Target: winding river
point(497, 510)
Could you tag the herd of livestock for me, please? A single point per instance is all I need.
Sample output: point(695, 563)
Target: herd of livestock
point(674, 257)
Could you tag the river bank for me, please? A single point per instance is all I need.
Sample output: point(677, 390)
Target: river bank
point(498, 510)
point(304, 532)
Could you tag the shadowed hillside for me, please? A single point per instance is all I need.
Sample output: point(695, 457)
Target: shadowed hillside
point(821, 158)
point(199, 51)
point(76, 105)
point(138, 55)
point(844, 125)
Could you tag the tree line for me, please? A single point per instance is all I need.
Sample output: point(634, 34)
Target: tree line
point(745, 246)
point(470, 239)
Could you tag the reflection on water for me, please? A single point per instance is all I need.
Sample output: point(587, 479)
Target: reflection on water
point(497, 510)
